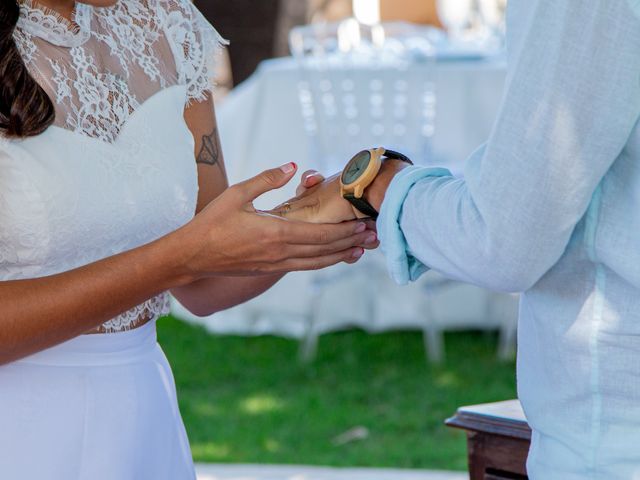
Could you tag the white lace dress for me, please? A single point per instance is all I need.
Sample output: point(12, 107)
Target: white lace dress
point(122, 171)
point(116, 171)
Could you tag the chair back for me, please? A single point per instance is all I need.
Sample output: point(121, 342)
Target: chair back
point(357, 89)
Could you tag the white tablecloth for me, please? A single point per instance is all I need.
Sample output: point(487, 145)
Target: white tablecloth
point(261, 126)
point(261, 123)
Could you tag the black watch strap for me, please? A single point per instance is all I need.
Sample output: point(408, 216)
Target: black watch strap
point(362, 205)
point(397, 156)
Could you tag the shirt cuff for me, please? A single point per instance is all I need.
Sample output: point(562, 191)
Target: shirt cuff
point(402, 266)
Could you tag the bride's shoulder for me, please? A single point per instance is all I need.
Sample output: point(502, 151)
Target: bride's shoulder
point(194, 43)
point(151, 16)
point(151, 8)
point(185, 7)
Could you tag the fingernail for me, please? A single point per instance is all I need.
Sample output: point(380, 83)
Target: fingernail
point(358, 253)
point(361, 227)
point(371, 239)
point(288, 167)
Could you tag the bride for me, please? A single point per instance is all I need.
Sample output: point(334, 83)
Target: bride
point(108, 147)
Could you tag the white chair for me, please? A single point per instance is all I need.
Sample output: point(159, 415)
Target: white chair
point(349, 102)
point(324, 284)
point(489, 311)
point(356, 91)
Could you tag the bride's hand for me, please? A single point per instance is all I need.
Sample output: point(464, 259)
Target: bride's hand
point(230, 237)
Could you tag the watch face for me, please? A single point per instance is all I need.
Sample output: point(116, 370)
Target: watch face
point(356, 167)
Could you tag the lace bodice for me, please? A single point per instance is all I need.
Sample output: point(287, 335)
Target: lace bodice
point(102, 66)
point(117, 169)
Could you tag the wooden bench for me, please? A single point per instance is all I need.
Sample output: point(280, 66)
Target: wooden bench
point(498, 439)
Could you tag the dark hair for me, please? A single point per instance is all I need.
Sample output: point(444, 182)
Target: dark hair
point(25, 108)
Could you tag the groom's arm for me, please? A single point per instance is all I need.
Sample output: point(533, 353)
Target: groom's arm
point(571, 101)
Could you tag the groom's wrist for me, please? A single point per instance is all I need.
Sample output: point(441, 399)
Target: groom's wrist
point(375, 193)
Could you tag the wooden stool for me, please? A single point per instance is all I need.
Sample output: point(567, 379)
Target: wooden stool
point(498, 439)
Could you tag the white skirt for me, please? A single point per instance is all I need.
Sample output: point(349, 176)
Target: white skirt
point(98, 407)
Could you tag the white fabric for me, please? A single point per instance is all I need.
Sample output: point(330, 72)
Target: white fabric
point(261, 125)
point(376, 304)
point(550, 206)
point(303, 472)
point(117, 169)
point(99, 407)
point(261, 122)
point(113, 59)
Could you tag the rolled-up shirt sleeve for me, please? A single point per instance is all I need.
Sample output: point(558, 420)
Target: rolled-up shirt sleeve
point(571, 101)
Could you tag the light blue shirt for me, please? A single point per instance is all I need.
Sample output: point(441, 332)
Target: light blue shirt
point(550, 206)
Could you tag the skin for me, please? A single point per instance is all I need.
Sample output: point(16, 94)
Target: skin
point(227, 254)
point(210, 295)
point(65, 7)
point(319, 200)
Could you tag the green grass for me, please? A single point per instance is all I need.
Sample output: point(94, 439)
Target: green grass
point(248, 400)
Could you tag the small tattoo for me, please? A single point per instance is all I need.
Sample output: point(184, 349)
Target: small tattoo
point(210, 151)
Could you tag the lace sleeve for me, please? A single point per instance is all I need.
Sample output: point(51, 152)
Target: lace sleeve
point(195, 44)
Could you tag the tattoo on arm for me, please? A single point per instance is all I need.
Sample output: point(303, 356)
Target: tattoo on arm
point(210, 151)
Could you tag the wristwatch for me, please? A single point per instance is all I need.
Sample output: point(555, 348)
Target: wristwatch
point(360, 172)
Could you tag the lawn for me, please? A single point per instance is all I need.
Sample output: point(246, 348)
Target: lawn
point(248, 400)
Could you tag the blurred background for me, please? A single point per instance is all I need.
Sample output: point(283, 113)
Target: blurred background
point(342, 368)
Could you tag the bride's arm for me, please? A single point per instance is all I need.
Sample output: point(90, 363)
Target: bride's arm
point(246, 250)
point(228, 238)
point(211, 295)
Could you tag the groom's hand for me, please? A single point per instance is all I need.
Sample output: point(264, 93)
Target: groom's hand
point(319, 200)
point(309, 179)
point(374, 194)
point(320, 203)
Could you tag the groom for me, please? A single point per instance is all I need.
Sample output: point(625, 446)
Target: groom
point(547, 207)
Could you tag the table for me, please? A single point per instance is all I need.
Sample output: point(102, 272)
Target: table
point(498, 439)
point(261, 123)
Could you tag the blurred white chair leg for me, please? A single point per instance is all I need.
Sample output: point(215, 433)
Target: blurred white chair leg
point(253, 317)
point(432, 335)
point(501, 307)
point(507, 345)
point(508, 333)
point(433, 331)
point(433, 343)
point(491, 314)
point(309, 345)
point(322, 287)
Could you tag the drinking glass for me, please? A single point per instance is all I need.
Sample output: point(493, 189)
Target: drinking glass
point(493, 15)
point(367, 11)
point(455, 15)
point(490, 12)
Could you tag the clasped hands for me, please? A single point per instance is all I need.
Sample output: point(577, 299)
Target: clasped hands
point(319, 200)
point(316, 229)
